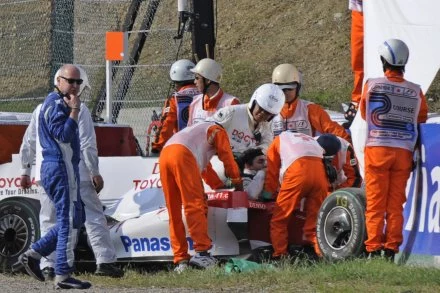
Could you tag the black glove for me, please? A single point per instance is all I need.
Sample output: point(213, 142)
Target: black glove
point(330, 170)
point(349, 115)
point(351, 112)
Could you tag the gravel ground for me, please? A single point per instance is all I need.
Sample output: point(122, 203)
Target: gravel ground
point(22, 283)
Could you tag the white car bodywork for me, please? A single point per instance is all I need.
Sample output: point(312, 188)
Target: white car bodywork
point(134, 201)
point(141, 226)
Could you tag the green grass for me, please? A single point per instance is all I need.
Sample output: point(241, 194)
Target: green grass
point(329, 99)
point(350, 276)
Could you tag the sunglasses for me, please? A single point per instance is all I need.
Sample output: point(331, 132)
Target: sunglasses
point(73, 80)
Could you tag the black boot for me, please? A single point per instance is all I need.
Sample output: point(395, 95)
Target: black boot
point(109, 270)
point(389, 254)
point(71, 283)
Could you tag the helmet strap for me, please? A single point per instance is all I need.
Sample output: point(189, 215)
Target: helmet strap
point(330, 170)
point(384, 63)
point(298, 88)
point(205, 90)
point(270, 119)
point(257, 135)
point(252, 106)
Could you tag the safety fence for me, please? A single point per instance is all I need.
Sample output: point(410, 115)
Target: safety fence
point(38, 36)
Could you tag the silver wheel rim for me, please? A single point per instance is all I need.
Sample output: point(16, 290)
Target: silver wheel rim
point(13, 235)
point(337, 228)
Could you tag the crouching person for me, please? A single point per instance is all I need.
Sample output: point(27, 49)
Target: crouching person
point(294, 161)
point(182, 161)
point(346, 167)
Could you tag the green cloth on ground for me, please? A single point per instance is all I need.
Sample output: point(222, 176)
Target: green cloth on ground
point(238, 265)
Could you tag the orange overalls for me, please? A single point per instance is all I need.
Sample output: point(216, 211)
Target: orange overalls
point(295, 159)
point(357, 53)
point(211, 103)
point(170, 123)
point(319, 119)
point(182, 160)
point(388, 165)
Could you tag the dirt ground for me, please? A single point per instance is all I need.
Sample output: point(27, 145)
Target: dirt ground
point(23, 283)
point(255, 36)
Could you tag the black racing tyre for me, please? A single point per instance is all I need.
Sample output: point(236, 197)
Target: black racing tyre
point(19, 228)
point(340, 229)
point(262, 254)
point(358, 192)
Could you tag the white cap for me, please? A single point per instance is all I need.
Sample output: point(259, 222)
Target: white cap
point(209, 69)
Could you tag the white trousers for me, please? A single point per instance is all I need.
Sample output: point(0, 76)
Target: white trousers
point(96, 225)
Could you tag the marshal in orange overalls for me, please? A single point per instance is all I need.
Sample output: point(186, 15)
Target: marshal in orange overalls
point(389, 154)
point(294, 161)
point(183, 159)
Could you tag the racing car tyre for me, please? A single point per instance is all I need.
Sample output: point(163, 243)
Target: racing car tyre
point(359, 193)
point(19, 227)
point(262, 254)
point(340, 229)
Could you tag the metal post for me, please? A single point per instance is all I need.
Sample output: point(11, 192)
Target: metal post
point(203, 35)
point(129, 21)
point(109, 97)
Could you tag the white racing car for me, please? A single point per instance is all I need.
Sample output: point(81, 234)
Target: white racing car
point(138, 219)
point(238, 227)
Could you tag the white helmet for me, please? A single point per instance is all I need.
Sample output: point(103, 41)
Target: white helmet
point(209, 69)
point(82, 75)
point(287, 76)
point(269, 97)
point(395, 52)
point(181, 70)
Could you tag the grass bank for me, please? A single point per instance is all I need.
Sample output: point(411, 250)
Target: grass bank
point(350, 276)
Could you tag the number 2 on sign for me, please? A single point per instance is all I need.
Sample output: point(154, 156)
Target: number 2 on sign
point(342, 201)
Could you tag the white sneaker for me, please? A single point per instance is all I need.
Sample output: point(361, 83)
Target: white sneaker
point(203, 260)
point(181, 267)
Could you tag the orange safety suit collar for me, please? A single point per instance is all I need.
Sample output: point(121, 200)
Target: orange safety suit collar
point(186, 87)
point(394, 75)
point(210, 103)
point(289, 109)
